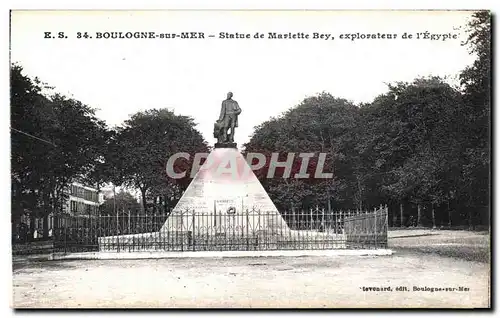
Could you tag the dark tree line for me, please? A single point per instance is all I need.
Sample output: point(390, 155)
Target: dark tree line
point(140, 150)
point(54, 140)
point(423, 147)
point(58, 140)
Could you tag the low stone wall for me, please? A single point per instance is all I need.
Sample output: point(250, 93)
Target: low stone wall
point(310, 245)
point(39, 247)
point(223, 243)
point(171, 241)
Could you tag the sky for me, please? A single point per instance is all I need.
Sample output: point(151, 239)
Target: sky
point(192, 76)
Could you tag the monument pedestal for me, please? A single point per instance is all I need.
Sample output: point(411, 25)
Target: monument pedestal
point(225, 145)
point(225, 196)
point(224, 207)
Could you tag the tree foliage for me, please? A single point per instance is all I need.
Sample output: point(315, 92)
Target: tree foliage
point(320, 124)
point(424, 145)
point(142, 146)
point(123, 203)
point(55, 140)
point(421, 144)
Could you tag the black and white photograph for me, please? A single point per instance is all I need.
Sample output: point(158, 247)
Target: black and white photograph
point(250, 158)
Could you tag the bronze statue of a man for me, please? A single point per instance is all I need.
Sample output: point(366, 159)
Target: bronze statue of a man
point(228, 119)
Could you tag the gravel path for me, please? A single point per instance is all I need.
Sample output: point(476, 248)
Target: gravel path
point(252, 282)
point(467, 245)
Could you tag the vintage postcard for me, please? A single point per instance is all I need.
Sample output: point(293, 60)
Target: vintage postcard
point(250, 159)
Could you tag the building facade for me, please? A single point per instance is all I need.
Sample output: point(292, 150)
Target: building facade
point(83, 201)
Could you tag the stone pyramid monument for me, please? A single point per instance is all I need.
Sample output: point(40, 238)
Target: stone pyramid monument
point(225, 195)
point(224, 207)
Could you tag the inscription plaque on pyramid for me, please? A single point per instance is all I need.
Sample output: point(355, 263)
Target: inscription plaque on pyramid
point(225, 194)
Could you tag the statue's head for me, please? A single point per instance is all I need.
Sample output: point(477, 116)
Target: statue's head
point(229, 95)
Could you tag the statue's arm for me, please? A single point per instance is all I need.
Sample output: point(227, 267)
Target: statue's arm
point(238, 109)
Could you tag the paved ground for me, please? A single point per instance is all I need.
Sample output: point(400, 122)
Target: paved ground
point(263, 282)
point(468, 245)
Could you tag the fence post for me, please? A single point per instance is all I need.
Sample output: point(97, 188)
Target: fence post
point(215, 217)
point(192, 236)
point(177, 232)
point(376, 232)
point(386, 226)
point(98, 230)
point(329, 213)
point(311, 220)
point(247, 229)
point(65, 236)
point(116, 233)
point(129, 228)
point(316, 220)
point(419, 215)
point(322, 219)
point(337, 214)
point(401, 213)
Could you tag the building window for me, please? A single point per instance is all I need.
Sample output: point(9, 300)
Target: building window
point(86, 194)
point(73, 207)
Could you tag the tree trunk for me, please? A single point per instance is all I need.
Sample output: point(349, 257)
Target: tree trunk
point(469, 210)
point(433, 217)
point(394, 218)
point(114, 199)
point(45, 212)
point(154, 205)
point(45, 226)
point(401, 214)
point(449, 215)
point(469, 217)
point(45, 219)
point(144, 201)
point(419, 215)
point(165, 205)
point(160, 204)
point(128, 220)
point(360, 203)
point(32, 228)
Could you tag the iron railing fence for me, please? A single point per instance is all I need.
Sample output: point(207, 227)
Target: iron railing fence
point(367, 229)
point(221, 230)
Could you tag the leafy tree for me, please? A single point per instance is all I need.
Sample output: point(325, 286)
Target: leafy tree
point(124, 202)
point(412, 140)
point(30, 113)
point(142, 146)
point(320, 124)
point(423, 144)
point(476, 85)
point(55, 140)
